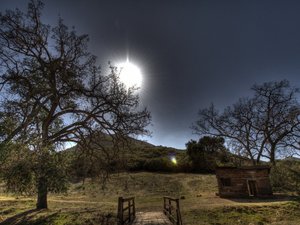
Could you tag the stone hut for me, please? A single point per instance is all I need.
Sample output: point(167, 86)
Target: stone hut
point(246, 181)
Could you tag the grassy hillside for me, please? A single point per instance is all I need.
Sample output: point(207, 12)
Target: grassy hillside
point(135, 155)
point(90, 204)
point(139, 155)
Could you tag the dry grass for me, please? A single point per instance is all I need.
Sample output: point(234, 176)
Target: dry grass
point(90, 204)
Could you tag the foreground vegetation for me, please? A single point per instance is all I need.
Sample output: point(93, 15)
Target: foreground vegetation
point(92, 203)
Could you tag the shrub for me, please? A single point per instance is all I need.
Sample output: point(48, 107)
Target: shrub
point(159, 165)
point(285, 176)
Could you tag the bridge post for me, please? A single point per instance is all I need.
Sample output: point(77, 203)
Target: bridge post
point(133, 208)
point(179, 221)
point(175, 218)
point(126, 210)
point(129, 210)
point(165, 206)
point(120, 210)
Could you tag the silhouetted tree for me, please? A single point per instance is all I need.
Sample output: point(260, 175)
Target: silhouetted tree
point(207, 153)
point(52, 92)
point(257, 127)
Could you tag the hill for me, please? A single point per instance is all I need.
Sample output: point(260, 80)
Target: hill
point(138, 155)
point(134, 155)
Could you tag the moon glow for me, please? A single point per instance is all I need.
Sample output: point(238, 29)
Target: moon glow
point(130, 74)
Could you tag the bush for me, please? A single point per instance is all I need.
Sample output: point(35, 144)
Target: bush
point(158, 165)
point(285, 176)
point(207, 153)
point(137, 165)
point(19, 177)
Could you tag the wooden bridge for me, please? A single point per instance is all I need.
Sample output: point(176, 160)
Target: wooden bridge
point(170, 214)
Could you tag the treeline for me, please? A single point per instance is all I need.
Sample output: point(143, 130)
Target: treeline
point(74, 165)
point(201, 156)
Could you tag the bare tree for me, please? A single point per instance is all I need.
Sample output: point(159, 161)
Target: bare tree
point(258, 127)
point(52, 91)
point(293, 143)
point(278, 114)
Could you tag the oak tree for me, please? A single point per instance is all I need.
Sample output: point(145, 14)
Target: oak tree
point(53, 92)
point(261, 126)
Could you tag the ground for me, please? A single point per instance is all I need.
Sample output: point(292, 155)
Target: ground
point(92, 204)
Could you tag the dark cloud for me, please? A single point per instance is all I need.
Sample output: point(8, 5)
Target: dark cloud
point(191, 53)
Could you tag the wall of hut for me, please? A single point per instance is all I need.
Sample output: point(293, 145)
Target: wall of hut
point(244, 181)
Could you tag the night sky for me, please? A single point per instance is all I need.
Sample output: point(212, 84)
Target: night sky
point(191, 53)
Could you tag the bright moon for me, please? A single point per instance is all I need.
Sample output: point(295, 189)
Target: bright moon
point(130, 74)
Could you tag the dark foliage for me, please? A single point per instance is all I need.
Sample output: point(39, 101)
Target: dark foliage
point(285, 176)
point(53, 92)
point(207, 153)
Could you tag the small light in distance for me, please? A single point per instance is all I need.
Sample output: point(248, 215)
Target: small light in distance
point(173, 160)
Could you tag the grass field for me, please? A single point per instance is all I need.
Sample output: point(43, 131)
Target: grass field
point(91, 204)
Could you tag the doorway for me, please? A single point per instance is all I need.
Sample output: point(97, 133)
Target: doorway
point(252, 188)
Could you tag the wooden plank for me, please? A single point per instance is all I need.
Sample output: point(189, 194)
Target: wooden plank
point(157, 218)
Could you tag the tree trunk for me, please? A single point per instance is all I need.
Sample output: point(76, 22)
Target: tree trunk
point(272, 156)
point(253, 160)
point(42, 194)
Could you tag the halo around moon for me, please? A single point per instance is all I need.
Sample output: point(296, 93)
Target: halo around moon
point(130, 74)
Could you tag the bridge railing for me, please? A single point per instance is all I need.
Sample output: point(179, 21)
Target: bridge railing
point(172, 210)
point(126, 210)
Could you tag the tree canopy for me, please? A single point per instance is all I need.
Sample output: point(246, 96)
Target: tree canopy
point(207, 153)
point(53, 91)
point(262, 126)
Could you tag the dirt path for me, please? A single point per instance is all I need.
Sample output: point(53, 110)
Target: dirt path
point(151, 218)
